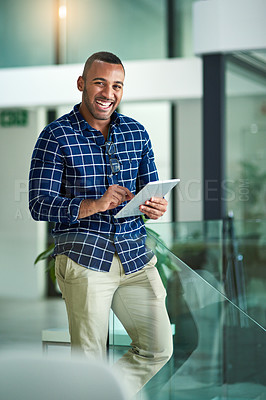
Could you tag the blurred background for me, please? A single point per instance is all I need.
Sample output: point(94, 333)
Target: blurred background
point(196, 79)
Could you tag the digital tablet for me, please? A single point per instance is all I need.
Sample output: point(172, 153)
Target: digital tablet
point(152, 189)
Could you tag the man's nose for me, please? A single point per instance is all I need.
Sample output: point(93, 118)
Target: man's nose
point(108, 92)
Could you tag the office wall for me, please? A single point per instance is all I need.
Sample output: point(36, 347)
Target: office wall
point(235, 25)
point(155, 116)
point(21, 238)
point(189, 159)
point(131, 29)
point(188, 153)
point(27, 29)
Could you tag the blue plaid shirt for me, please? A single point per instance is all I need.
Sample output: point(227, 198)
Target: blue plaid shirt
point(69, 164)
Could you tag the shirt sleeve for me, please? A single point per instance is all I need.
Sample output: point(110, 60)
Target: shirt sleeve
point(147, 167)
point(46, 173)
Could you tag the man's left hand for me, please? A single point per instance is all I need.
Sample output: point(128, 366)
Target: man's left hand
point(154, 208)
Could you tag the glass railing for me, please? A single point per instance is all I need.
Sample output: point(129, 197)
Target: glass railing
point(219, 349)
point(230, 255)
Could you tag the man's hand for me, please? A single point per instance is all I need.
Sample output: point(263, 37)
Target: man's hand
point(113, 197)
point(154, 208)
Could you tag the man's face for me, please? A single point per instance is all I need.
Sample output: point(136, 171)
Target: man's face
point(102, 90)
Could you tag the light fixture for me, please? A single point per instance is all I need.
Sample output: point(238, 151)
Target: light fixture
point(62, 12)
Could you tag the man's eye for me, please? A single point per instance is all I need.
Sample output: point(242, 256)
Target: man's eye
point(99, 83)
point(117, 87)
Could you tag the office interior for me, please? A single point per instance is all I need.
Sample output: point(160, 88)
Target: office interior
point(196, 79)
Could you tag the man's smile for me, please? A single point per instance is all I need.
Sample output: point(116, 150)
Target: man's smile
point(104, 104)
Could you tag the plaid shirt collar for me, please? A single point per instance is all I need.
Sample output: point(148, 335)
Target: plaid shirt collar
point(80, 124)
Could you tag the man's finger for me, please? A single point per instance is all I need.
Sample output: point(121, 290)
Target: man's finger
point(161, 206)
point(123, 191)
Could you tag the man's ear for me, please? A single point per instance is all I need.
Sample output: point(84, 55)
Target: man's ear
point(80, 84)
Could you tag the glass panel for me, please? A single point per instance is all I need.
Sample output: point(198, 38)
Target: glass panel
point(246, 134)
point(130, 29)
point(28, 31)
point(219, 351)
point(183, 26)
point(230, 255)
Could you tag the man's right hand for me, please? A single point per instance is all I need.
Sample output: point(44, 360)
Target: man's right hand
point(113, 197)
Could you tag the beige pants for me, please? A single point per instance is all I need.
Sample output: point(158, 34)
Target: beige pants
point(137, 299)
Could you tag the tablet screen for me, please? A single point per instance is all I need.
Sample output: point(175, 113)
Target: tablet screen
point(152, 189)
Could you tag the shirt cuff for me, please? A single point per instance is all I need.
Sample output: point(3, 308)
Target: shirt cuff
point(73, 209)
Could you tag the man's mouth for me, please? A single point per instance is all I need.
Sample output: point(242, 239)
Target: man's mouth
point(104, 105)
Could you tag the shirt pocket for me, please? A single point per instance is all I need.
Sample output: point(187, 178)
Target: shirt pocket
point(129, 172)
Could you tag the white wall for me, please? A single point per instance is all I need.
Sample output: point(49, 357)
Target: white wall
point(222, 26)
point(146, 80)
point(189, 160)
point(21, 238)
point(155, 116)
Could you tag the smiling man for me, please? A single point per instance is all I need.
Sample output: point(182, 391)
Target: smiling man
point(84, 167)
point(102, 87)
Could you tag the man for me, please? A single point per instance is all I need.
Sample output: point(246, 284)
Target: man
point(85, 166)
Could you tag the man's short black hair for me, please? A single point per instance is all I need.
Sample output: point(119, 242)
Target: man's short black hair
point(104, 56)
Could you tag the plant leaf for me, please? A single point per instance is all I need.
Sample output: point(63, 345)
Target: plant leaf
point(45, 254)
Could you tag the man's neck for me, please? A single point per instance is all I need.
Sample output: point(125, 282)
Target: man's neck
point(100, 125)
point(105, 131)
